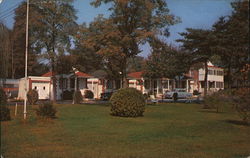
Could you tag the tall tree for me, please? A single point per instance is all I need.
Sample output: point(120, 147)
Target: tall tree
point(166, 61)
point(232, 40)
point(132, 23)
point(200, 43)
point(85, 59)
point(18, 36)
point(5, 50)
point(51, 26)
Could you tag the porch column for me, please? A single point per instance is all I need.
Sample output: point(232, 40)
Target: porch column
point(187, 86)
point(92, 86)
point(168, 85)
point(143, 86)
point(75, 83)
point(135, 84)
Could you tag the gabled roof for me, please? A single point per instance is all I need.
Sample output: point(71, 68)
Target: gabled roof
point(82, 74)
point(136, 74)
point(78, 74)
point(48, 74)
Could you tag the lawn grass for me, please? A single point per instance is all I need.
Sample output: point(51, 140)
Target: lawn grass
point(166, 130)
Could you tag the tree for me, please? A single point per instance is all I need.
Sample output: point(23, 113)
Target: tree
point(166, 61)
point(232, 40)
point(5, 49)
point(200, 44)
point(131, 23)
point(136, 64)
point(19, 38)
point(85, 59)
point(51, 27)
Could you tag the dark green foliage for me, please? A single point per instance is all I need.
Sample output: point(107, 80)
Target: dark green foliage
point(77, 97)
point(46, 110)
point(5, 113)
point(213, 101)
point(88, 94)
point(67, 95)
point(3, 97)
point(32, 96)
point(166, 61)
point(242, 104)
point(196, 92)
point(175, 97)
point(127, 102)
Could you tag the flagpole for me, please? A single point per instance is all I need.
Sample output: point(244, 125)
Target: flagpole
point(26, 61)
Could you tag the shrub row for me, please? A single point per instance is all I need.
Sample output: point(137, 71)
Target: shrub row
point(239, 99)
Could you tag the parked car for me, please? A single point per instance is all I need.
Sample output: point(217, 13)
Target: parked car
point(182, 94)
point(106, 95)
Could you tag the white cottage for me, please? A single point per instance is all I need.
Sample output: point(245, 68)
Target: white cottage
point(41, 84)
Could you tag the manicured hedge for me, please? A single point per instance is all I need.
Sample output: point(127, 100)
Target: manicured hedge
point(127, 102)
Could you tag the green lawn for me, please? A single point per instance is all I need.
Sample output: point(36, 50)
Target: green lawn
point(166, 130)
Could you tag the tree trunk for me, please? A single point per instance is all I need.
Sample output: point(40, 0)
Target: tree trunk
point(205, 78)
point(124, 74)
point(53, 80)
point(229, 82)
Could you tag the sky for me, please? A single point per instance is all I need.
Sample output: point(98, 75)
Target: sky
point(193, 14)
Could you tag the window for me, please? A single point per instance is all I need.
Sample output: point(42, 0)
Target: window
point(220, 73)
point(44, 88)
point(212, 84)
point(219, 85)
point(35, 87)
point(72, 83)
point(110, 84)
point(147, 84)
point(210, 72)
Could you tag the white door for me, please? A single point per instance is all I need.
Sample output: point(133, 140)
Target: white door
point(42, 89)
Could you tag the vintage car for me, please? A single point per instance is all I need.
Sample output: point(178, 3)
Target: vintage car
point(182, 94)
point(107, 95)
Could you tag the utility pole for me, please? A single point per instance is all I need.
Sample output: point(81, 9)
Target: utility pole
point(26, 61)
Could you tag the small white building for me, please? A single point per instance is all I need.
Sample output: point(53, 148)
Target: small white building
point(41, 84)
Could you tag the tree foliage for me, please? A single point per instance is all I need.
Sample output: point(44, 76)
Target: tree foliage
point(232, 40)
point(5, 48)
point(166, 61)
point(200, 44)
point(131, 23)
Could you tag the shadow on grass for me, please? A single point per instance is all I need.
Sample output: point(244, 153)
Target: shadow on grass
point(237, 122)
point(211, 111)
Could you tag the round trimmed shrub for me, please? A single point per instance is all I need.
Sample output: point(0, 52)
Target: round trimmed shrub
point(5, 113)
point(3, 97)
point(32, 96)
point(88, 94)
point(127, 102)
point(46, 110)
point(77, 97)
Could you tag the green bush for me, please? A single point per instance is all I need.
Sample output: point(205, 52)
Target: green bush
point(88, 94)
point(5, 113)
point(241, 101)
point(175, 96)
point(127, 102)
point(77, 97)
point(46, 110)
point(67, 95)
point(196, 92)
point(32, 96)
point(3, 97)
point(213, 101)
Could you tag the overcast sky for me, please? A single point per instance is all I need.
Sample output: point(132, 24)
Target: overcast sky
point(193, 13)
